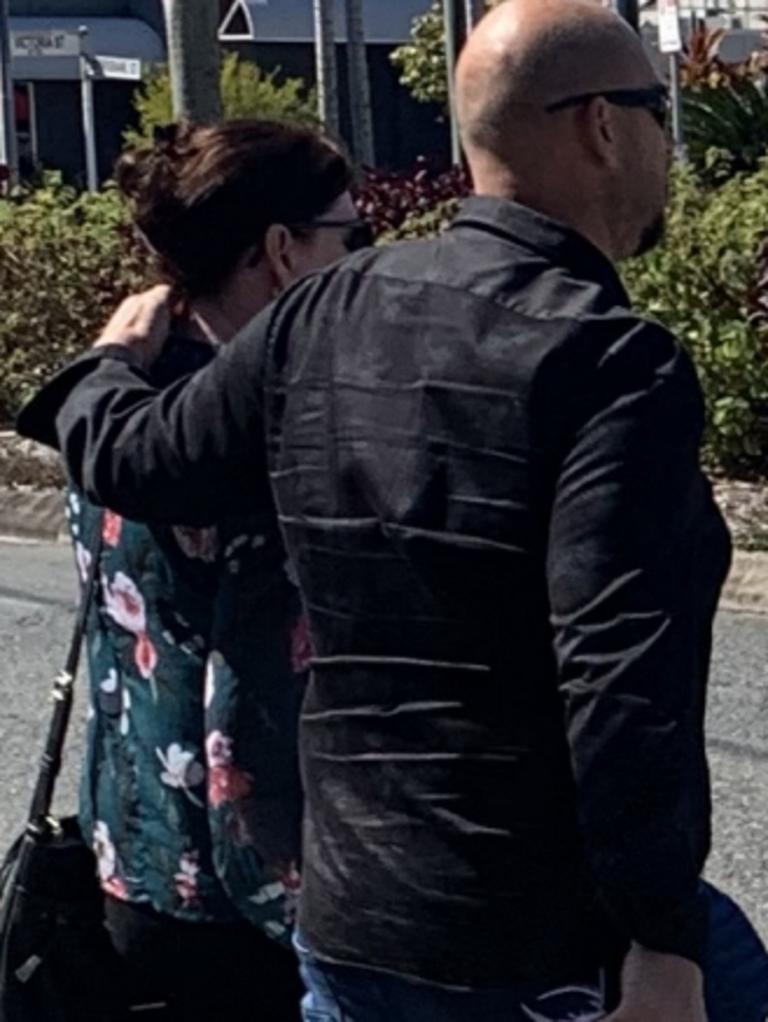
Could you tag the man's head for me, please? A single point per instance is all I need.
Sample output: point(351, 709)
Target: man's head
point(561, 109)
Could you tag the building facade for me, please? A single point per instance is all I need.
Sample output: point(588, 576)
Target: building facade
point(274, 33)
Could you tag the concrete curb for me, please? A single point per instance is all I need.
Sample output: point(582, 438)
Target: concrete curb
point(31, 514)
point(747, 586)
point(27, 514)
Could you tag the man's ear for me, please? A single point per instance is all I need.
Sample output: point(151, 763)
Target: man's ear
point(600, 135)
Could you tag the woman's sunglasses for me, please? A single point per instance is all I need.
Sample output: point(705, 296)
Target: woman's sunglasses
point(358, 234)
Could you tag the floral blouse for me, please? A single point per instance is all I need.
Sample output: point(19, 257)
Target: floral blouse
point(197, 652)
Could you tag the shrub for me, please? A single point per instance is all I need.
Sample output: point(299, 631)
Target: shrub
point(704, 284)
point(725, 109)
point(726, 129)
point(65, 261)
point(421, 62)
point(392, 200)
point(246, 91)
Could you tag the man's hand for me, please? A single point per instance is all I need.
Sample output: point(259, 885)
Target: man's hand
point(659, 988)
point(141, 323)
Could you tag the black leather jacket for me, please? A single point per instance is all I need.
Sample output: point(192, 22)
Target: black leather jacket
point(486, 468)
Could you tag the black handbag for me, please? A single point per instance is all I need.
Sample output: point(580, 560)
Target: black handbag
point(56, 961)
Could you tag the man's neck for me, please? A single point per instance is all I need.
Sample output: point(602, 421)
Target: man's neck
point(501, 183)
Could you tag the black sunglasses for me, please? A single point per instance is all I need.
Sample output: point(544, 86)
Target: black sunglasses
point(653, 98)
point(358, 234)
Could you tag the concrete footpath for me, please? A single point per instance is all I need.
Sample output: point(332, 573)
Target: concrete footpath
point(28, 514)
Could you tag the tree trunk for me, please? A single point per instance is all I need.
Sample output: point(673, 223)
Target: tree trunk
point(359, 85)
point(194, 59)
point(327, 71)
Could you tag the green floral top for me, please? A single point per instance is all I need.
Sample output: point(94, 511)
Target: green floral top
point(197, 653)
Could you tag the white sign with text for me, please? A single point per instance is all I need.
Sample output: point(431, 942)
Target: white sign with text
point(670, 37)
point(124, 69)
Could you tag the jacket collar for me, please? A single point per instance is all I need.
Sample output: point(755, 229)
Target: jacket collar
point(558, 244)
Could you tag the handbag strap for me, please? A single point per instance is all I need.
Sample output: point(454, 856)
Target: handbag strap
point(63, 697)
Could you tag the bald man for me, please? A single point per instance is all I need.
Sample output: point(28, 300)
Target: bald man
point(486, 469)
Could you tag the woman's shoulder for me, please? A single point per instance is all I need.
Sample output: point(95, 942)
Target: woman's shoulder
point(181, 356)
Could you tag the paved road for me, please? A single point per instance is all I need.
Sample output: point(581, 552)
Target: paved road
point(36, 596)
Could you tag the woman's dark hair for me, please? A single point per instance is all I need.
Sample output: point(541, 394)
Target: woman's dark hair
point(201, 196)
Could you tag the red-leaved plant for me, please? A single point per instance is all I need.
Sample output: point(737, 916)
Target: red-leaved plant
point(390, 198)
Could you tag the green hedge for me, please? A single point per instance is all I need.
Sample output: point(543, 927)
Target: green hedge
point(706, 284)
point(246, 91)
point(65, 260)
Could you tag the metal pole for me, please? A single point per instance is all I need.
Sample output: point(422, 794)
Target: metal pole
point(676, 95)
point(326, 70)
point(89, 116)
point(359, 85)
point(194, 59)
point(9, 150)
point(449, 19)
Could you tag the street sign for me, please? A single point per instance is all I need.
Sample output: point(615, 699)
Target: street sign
point(45, 43)
point(124, 69)
point(670, 37)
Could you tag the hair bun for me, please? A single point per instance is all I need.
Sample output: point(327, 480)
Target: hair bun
point(165, 135)
point(152, 169)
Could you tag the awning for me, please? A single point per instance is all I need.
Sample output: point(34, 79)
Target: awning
point(272, 21)
point(107, 37)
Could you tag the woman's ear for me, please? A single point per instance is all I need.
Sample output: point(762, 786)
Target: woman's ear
point(279, 251)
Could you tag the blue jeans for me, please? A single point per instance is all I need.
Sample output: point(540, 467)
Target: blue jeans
point(340, 993)
point(736, 979)
point(736, 969)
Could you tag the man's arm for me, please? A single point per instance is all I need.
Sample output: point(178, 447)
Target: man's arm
point(188, 454)
point(628, 503)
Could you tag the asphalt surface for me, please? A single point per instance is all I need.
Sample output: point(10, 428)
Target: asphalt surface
point(36, 614)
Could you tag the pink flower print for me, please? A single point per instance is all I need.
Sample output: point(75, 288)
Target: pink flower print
point(83, 559)
point(291, 879)
point(218, 749)
point(198, 544)
point(125, 604)
point(104, 850)
point(227, 784)
point(267, 893)
point(111, 529)
point(301, 646)
point(186, 879)
point(116, 887)
point(146, 657)
point(210, 683)
point(106, 861)
point(181, 770)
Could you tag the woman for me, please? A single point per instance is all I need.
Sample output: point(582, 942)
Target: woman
point(197, 654)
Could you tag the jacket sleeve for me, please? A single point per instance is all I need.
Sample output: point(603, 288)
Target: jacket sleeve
point(628, 505)
point(188, 454)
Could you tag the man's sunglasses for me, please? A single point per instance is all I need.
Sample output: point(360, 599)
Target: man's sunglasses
point(653, 98)
point(358, 234)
